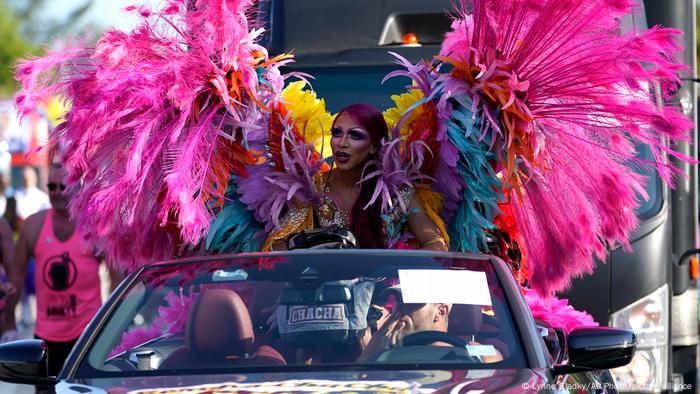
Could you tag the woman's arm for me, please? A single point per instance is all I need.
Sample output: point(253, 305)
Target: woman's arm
point(423, 228)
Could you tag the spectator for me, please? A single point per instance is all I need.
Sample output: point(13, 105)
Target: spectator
point(30, 199)
point(6, 255)
point(67, 278)
point(8, 204)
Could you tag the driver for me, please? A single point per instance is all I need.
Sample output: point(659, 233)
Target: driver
point(407, 319)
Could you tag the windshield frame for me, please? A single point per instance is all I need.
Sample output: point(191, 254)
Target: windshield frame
point(78, 361)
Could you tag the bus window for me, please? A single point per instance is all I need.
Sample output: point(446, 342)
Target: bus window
point(653, 185)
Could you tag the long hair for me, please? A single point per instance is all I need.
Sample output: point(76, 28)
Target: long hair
point(367, 224)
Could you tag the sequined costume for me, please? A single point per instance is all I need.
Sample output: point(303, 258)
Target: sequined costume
point(327, 213)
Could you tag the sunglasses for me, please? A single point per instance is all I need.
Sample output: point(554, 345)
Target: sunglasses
point(53, 186)
point(406, 308)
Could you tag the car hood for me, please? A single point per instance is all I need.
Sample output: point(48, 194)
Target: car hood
point(410, 382)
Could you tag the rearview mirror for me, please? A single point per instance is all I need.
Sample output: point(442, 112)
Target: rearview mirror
point(326, 294)
point(594, 348)
point(25, 362)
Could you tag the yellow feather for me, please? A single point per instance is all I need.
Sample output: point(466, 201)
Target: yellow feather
point(309, 115)
point(56, 108)
point(431, 202)
point(403, 102)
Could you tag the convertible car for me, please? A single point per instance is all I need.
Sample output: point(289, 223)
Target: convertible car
point(324, 321)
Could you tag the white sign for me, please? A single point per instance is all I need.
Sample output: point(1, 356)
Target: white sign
point(444, 286)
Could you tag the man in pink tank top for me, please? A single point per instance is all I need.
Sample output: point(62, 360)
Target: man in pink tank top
point(67, 274)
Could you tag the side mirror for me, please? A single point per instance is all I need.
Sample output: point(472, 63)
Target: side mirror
point(594, 348)
point(25, 362)
point(554, 339)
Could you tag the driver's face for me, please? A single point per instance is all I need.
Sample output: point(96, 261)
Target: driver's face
point(418, 317)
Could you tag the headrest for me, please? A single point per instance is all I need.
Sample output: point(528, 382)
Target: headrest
point(219, 325)
point(465, 319)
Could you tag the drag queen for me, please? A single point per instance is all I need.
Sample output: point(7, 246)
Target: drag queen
point(357, 134)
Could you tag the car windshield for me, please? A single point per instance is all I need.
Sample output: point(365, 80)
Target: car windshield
point(277, 312)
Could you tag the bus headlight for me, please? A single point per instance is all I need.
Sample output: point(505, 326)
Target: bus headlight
point(648, 317)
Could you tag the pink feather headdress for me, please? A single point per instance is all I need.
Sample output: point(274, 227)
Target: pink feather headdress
point(545, 103)
point(564, 98)
point(158, 122)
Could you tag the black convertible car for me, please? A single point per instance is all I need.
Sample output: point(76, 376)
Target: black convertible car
point(324, 321)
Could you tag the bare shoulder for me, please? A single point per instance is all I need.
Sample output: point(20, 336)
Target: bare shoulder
point(32, 226)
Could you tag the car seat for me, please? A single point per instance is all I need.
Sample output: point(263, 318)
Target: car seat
point(465, 321)
point(262, 307)
point(220, 333)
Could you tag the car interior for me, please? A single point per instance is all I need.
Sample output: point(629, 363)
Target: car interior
point(241, 324)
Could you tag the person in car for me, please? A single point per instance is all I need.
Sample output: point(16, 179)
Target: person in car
point(408, 319)
point(356, 137)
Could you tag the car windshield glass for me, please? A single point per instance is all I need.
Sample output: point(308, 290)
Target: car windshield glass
point(311, 310)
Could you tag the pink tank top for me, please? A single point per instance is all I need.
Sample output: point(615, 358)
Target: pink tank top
point(67, 285)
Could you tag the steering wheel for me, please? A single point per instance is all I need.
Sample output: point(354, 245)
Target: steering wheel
point(424, 338)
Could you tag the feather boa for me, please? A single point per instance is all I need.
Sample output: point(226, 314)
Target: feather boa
point(171, 319)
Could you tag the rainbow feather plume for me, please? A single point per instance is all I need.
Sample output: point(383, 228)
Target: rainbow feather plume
point(563, 98)
point(158, 122)
point(309, 115)
point(270, 192)
point(295, 139)
point(540, 106)
point(481, 187)
point(442, 141)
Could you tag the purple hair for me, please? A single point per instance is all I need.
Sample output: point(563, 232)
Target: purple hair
point(367, 224)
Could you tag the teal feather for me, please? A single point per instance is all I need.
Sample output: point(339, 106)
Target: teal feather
point(234, 228)
point(481, 192)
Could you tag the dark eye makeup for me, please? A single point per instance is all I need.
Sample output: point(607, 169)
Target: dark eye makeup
point(356, 135)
